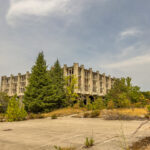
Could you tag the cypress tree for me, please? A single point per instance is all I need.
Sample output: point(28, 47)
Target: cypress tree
point(36, 90)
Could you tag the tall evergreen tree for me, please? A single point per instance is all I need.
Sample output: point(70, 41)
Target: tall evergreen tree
point(35, 91)
point(57, 82)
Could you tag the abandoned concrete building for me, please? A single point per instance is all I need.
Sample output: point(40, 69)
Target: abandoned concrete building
point(89, 82)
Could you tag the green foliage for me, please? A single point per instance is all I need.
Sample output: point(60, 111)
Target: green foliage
point(81, 103)
point(148, 108)
point(98, 104)
point(89, 105)
point(110, 104)
point(146, 94)
point(4, 99)
point(35, 91)
point(15, 110)
point(70, 86)
point(89, 142)
point(57, 92)
point(123, 94)
point(45, 91)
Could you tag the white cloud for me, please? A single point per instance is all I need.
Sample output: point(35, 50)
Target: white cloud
point(20, 8)
point(138, 60)
point(129, 32)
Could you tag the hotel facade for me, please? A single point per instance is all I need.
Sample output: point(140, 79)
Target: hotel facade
point(89, 83)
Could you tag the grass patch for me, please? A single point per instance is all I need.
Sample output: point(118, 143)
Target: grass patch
point(89, 142)
point(64, 112)
point(95, 113)
point(64, 148)
point(92, 114)
point(35, 116)
point(124, 114)
point(56, 113)
point(54, 116)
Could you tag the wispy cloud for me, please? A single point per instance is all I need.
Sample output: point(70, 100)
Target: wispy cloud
point(130, 32)
point(138, 60)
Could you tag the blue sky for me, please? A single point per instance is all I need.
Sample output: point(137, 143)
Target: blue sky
point(111, 36)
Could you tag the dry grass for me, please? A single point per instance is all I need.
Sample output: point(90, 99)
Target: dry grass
point(142, 144)
point(133, 111)
point(124, 114)
point(92, 114)
point(64, 112)
point(64, 148)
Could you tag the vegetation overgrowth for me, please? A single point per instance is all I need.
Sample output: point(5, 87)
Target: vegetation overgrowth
point(50, 93)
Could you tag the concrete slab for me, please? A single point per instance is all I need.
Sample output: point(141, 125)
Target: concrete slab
point(43, 134)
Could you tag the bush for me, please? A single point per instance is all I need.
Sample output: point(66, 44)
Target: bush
point(4, 99)
point(86, 115)
point(92, 114)
point(89, 142)
point(95, 113)
point(110, 104)
point(54, 116)
point(15, 110)
point(35, 116)
point(89, 106)
point(98, 104)
point(81, 103)
point(148, 108)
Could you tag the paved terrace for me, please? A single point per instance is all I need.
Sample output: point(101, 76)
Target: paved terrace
point(43, 134)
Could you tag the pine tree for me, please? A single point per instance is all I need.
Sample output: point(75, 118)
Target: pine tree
point(36, 90)
point(57, 84)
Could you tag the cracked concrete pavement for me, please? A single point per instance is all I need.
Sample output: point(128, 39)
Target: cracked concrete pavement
point(43, 134)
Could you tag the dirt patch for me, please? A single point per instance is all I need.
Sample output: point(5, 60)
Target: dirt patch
point(7, 130)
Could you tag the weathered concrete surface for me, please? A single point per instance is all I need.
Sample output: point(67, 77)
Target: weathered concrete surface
point(66, 131)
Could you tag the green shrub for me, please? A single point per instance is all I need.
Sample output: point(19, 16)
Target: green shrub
point(81, 103)
point(89, 142)
point(95, 113)
point(54, 116)
point(110, 104)
point(4, 99)
point(89, 106)
point(98, 104)
point(148, 108)
point(15, 110)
